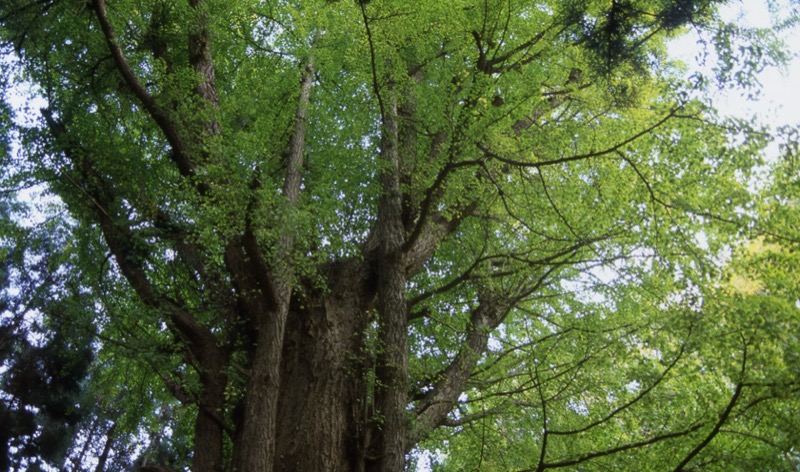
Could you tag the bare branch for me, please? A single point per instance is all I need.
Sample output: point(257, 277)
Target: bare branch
point(626, 405)
point(722, 418)
point(614, 450)
point(579, 157)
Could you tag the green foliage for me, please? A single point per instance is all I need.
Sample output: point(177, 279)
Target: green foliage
point(562, 172)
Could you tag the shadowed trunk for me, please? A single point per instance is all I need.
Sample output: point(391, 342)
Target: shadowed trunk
point(321, 423)
point(322, 404)
point(208, 427)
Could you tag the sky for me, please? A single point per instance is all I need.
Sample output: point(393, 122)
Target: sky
point(779, 101)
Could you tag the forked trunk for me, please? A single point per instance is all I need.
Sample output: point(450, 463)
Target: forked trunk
point(324, 408)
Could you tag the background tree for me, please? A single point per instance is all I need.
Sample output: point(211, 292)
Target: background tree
point(330, 235)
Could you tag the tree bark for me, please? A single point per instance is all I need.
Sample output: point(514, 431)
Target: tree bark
point(208, 426)
point(323, 408)
point(101, 461)
point(391, 394)
point(257, 449)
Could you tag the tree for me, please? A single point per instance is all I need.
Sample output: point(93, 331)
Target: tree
point(333, 235)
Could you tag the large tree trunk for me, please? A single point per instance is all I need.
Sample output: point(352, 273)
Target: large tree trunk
point(255, 449)
point(321, 424)
point(208, 430)
point(269, 311)
point(322, 404)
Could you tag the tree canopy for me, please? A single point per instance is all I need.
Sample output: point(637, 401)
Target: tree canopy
point(251, 235)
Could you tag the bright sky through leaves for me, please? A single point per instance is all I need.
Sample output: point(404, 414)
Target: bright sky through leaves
point(779, 100)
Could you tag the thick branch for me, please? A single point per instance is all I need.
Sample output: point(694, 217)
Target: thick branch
point(432, 195)
point(291, 185)
point(388, 449)
point(200, 55)
point(392, 367)
point(202, 349)
point(128, 254)
point(270, 314)
point(170, 130)
point(432, 411)
point(202, 62)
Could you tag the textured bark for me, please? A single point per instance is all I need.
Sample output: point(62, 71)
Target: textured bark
point(322, 409)
point(208, 426)
point(391, 396)
point(201, 58)
point(260, 307)
point(257, 447)
point(432, 411)
point(322, 406)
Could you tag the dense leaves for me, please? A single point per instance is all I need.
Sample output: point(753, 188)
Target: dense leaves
point(250, 235)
